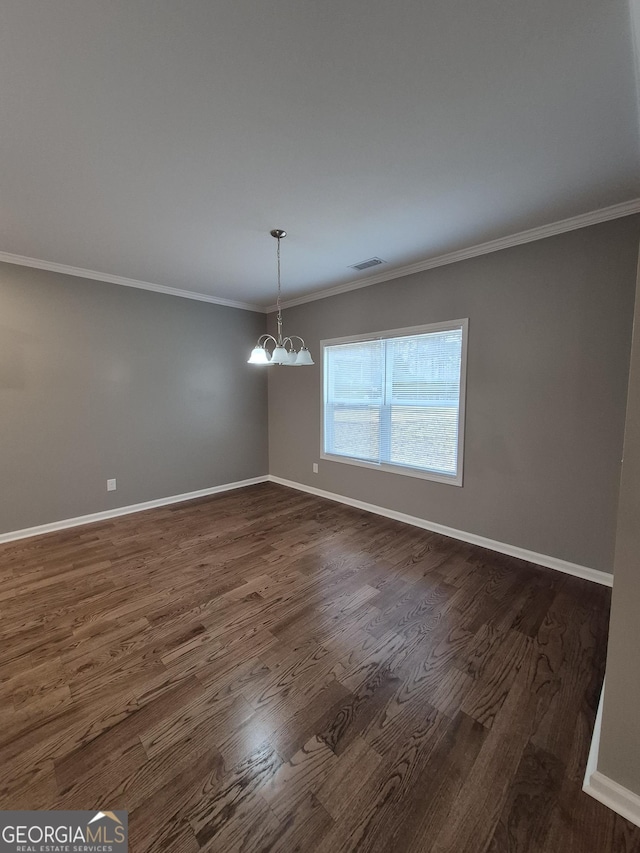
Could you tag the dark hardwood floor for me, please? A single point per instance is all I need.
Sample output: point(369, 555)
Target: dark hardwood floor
point(265, 670)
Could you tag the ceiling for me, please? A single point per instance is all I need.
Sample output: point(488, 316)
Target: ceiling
point(161, 141)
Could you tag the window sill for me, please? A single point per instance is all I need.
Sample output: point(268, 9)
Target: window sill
point(396, 469)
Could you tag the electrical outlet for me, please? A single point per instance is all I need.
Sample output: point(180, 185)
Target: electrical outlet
point(315, 467)
point(111, 485)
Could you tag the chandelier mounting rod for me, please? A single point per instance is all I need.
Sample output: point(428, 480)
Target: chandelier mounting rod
point(278, 233)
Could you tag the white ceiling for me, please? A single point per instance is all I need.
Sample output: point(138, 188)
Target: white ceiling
point(161, 140)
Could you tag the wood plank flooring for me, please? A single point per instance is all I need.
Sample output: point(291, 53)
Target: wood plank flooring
point(267, 671)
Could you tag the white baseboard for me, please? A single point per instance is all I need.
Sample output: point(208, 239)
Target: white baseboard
point(584, 572)
point(595, 575)
point(616, 797)
point(125, 510)
point(592, 761)
point(611, 794)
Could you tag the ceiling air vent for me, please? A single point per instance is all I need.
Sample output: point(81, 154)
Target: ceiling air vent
point(364, 265)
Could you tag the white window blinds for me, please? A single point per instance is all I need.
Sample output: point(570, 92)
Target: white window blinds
point(396, 401)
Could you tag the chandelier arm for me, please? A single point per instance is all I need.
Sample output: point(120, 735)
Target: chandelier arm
point(297, 338)
point(262, 340)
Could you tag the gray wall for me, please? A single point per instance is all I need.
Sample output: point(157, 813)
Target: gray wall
point(549, 341)
point(100, 381)
point(619, 755)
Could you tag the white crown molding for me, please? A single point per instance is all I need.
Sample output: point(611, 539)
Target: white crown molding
point(66, 523)
point(594, 217)
point(611, 794)
point(595, 575)
point(36, 263)
point(604, 214)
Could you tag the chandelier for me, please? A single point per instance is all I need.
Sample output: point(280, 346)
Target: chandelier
point(284, 351)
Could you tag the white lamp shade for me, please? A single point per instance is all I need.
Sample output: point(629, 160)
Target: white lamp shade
point(280, 356)
point(291, 357)
point(259, 355)
point(304, 357)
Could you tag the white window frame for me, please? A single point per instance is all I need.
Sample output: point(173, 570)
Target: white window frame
point(406, 471)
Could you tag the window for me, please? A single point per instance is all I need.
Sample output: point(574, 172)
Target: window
point(395, 401)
